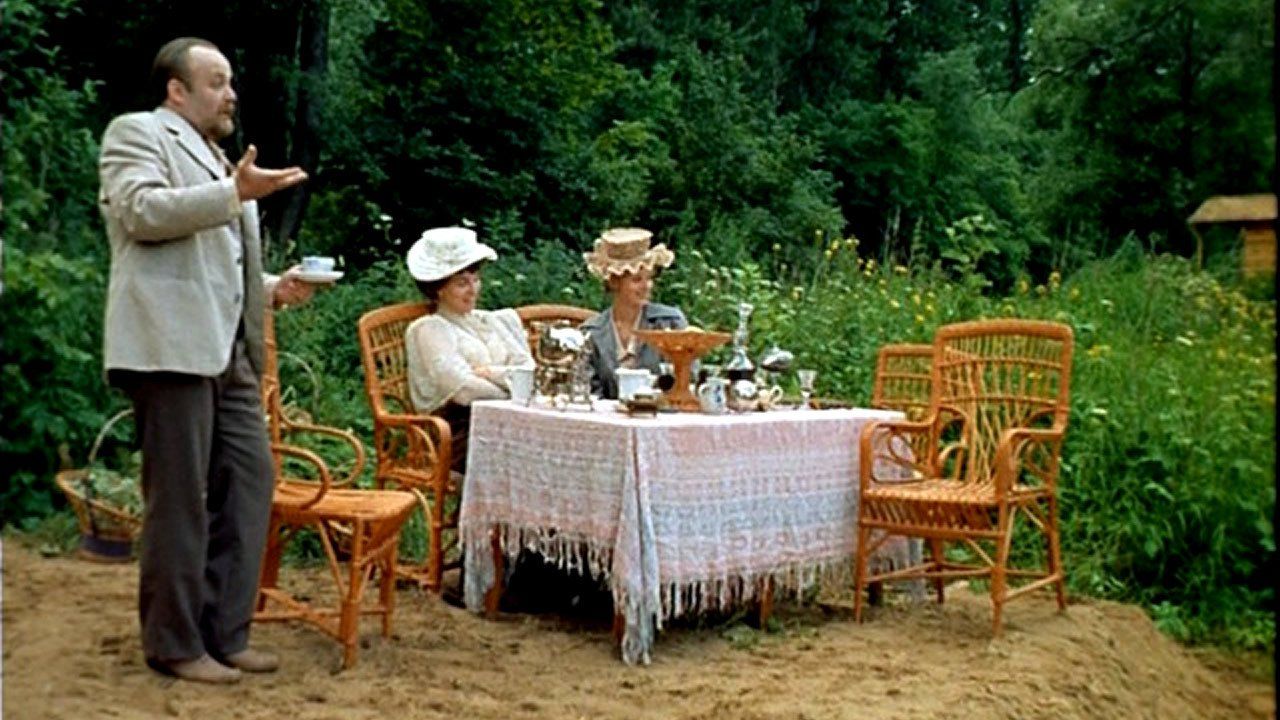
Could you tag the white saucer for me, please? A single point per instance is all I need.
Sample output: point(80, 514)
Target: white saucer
point(319, 276)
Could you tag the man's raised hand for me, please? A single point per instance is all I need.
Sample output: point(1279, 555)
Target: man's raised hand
point(253, 182)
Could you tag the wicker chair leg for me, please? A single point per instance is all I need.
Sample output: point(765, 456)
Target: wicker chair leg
point(269, 575)
point(999, 574)
point(435, 553)
point(937, 556)
point(860, 570)
point(1055, 553)
point(387, 584)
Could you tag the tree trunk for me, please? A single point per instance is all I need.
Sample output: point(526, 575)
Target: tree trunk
point(313, 63)
point(889, 60)
point(268, 41)
point(1017, 31)
point(1186, 103)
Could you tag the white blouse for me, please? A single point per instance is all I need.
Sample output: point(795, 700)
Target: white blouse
point(444, 349)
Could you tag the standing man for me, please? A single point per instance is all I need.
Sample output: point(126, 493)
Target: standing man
point(183, 339)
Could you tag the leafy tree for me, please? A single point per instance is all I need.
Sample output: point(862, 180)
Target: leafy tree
point(1149, 108)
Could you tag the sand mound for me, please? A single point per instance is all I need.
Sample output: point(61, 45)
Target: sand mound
point(71, 650)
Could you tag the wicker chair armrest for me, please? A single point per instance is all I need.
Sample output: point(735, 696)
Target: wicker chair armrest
point(358, 451)
point(325, 482)
point(428, 436)
point(889, 442)
point(1017, 451)
point(953, 453)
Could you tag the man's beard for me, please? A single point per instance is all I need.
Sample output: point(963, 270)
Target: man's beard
point(222, 128)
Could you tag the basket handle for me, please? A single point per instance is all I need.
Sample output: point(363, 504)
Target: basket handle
point(93, 455)
point(106, 428)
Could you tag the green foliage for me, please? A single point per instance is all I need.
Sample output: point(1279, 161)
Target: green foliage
point(1172, 454)
point(50, 147)
point(51, 369)
point(1148, 108)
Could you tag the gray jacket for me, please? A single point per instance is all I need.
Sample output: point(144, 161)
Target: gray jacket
point(186, 257)
point(604, 352)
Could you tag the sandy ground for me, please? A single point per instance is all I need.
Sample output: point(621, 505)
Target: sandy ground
point(71, 650)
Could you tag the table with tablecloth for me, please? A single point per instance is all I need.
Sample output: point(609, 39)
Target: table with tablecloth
point(680, 511)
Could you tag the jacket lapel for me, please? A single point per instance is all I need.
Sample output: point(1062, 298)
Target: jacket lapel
point(607, 340)
point(190, 142)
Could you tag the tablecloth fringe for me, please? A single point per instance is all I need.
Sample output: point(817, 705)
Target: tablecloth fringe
point(566, 551)
point(726, 593)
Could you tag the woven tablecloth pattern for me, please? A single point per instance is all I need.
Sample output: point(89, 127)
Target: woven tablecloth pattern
point(682, 512)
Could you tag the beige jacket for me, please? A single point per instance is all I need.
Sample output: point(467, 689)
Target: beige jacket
point(186, 257)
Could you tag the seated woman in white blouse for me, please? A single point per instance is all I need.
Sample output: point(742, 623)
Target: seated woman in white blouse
point(458, 354)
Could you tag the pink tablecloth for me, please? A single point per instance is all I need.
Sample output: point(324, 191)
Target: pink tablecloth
point(681, 511)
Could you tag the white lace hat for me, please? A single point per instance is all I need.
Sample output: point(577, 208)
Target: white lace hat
point(626, 250)
point(443, 251)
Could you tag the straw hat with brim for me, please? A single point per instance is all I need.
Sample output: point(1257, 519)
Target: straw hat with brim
point(441, 252)
point(626, 250)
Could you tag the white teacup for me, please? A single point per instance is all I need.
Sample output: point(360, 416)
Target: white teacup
point(769, 397)
point(520, 383)
point(317, 263)
point(631, 380)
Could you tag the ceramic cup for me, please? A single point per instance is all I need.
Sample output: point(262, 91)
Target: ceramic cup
point(631, 380)
point(520, 383)
point(769, 397)
point(317, 263)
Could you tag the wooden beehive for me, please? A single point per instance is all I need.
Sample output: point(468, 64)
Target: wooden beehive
point(1256, 217)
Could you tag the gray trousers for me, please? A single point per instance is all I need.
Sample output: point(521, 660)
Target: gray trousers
point(207, 484)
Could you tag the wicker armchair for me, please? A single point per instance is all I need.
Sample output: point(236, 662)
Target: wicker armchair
point(357, 528)
point(904, 372)
point(1001, 389)
point(412, 450)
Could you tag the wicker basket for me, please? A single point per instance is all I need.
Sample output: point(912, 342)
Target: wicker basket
point(107, 532)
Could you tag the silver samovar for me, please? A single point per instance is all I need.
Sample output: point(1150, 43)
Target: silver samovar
point(563, 357)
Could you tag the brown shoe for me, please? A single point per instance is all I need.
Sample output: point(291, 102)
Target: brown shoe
point(254, 661)
point(202, 669)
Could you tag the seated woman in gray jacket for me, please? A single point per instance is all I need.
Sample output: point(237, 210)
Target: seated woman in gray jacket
point(624, 260)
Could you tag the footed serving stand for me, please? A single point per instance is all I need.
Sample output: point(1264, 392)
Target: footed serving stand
point(681, 348)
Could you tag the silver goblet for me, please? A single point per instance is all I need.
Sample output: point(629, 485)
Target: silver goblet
point(806, 378)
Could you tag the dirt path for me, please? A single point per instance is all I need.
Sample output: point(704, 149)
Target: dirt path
point(71, 651)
